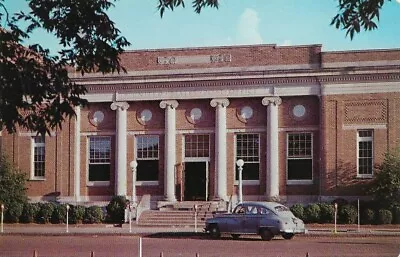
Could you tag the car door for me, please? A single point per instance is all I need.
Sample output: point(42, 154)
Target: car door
point(252, 222)
point(237, 220)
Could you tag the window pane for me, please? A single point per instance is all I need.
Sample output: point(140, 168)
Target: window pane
point(99, 172)
point(197, 146)
point(250, 171)
point(147, 147)
point(99, 158)
point(247, 149)
point(39, 153)
point(365, 152)
point(299, 145)
point(147, 170)
point(300, 169)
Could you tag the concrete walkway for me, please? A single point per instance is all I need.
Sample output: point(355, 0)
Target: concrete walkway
point(126, 229)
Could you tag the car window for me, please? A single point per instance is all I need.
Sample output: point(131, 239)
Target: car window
point(264, 211)
point(252, 210)
point(240, 210)
point(281, 208)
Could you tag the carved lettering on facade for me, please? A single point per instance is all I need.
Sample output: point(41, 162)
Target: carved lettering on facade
point(166, 60)
point(220, 58)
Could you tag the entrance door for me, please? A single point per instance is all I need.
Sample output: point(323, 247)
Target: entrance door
point(195, 181)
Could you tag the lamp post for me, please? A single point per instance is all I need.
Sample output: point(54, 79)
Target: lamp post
point(67, 216)
point(2, 218)
point(133, 166)
point(240, 164)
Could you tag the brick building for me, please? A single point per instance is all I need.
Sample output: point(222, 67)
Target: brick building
point(308, 124)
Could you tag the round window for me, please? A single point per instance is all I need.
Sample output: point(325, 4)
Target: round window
point(146, 115)
point(195, 114)
point(246, 112)
point(98, 117)
point(299, 111)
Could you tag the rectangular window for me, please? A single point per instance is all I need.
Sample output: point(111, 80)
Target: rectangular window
point(299, 157)
point(365, 140)
point(147, 151)
point(99, 158)
point(248, 149)
point(197, 146)
point(39, 153)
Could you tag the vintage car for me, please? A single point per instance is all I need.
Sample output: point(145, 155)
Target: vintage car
point(266, 219)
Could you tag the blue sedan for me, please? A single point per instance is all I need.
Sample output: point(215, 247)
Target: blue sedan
point(266, 219)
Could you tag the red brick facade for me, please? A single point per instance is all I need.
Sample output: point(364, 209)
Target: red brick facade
point(339, 93)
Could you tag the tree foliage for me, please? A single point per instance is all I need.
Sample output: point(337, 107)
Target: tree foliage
point(12, 185)
point(353, 15)
point(386, 185)
point(35, 90)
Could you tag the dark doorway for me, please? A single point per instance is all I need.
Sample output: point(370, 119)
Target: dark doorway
point(195, 181)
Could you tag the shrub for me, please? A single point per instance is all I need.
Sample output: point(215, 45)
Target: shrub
point(368, 216)
point(59, 214)
point(13, 212)
point(298, 210)
point(347, 214)
point(12, 190)
point(29, 212)
point(386, 185)
point(312, 212)
point(93, 214)
point(116, 209)
point(384, 216)
point(396, 215)
point(45, 212)
point(327, 212)
point(77, 214)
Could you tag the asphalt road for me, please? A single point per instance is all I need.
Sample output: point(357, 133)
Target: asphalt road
point(180, 246)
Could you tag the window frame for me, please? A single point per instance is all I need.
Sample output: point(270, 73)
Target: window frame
point(197, 149)
point(365, 139)
point(138, 159)
point(252, 181)
point(306, 157)
point(98, 183)
point(35, 145)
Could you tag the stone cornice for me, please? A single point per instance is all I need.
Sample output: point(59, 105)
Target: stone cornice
point(313, 79)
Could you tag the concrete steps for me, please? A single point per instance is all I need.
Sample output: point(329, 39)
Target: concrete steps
point(179, 214)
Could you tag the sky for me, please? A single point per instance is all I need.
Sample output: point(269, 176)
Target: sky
point(239, 22)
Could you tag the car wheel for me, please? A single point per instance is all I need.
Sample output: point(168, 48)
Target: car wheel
point(235, 236)
point(266, 234)
point(288, 236)
point(214, 231)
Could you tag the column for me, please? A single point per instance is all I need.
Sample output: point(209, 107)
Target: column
point(121, 149)
point(170, 149)
point(272, 104)
point(77, 154)
point(220, 147)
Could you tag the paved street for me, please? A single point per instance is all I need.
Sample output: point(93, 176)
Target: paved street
point(179, 245)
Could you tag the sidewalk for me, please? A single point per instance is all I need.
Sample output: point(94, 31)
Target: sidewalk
point(135, 230)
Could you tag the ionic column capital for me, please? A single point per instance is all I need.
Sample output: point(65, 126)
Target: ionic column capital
point(169, 103)
point(224, 102)
point(276, 100)
point(119, 105)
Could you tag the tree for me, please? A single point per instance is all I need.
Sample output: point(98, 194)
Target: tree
point(353, 15)
point(386, 185)
point(35, 90)
point(12, 189)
